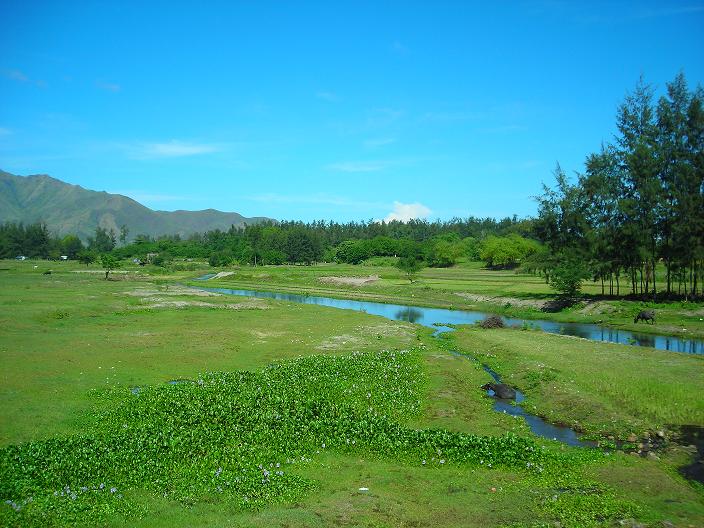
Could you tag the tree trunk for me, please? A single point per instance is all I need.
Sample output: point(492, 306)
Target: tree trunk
point(668, 264)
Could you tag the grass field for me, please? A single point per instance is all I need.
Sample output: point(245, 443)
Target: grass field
point(73, 345)
point(470, 286)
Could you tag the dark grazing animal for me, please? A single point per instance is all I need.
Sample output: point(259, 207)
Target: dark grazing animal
point(501, 390)
point(645, 315)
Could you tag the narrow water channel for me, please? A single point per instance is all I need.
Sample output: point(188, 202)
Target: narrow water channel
point(438, 319)
point(433, 316)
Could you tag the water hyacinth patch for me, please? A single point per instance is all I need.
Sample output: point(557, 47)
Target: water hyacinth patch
point(235, 436)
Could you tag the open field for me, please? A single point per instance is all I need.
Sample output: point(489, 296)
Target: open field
point(73, 345)
point(468, 286)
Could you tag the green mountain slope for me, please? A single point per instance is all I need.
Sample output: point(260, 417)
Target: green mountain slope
point(69, 208)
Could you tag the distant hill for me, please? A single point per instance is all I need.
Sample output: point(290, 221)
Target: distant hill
point(67, 208)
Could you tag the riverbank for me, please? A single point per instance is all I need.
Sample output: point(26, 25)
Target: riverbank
point(506, 293)
point(73, 345)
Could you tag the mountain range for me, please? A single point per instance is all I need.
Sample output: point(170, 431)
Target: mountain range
point(71, 209)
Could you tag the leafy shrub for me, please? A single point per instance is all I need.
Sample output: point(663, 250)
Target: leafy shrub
point(234, 436)
point(220, 258)
point(566, 278)
point(508, 251)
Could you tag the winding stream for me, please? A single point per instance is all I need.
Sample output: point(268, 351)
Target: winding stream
point(438, 319)
point(433, 316)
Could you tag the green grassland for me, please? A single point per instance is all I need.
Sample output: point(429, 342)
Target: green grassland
point(471, 286)
point(340, 400)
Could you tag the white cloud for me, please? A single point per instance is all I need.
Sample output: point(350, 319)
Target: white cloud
point(381, 117)
point(19, 76)
point(16, 75)
point(358, 166)
point(328, 96)
point(174, 149)
point(670, 11)
point(379, 142)
point(405, 212)
point(449, 117)
point(399, 47)
point(108, 86)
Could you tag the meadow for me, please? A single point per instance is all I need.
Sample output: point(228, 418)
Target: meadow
point(137, 401)
point(469, 285)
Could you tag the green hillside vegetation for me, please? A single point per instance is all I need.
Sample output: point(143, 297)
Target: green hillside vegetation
point(71, 209)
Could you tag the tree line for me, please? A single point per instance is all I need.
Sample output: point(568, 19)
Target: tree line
point(636, 215)
point(438, 243)
point(633, 220)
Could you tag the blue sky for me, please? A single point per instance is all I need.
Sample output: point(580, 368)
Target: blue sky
point(327, 110)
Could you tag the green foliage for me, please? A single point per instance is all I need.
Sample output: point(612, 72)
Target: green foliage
point(641, 199)
point(221, 259)
point(472, 249)
point(409, 265)
point(163, 258)
point(444, 251)
point(32, 240)
point(566, 278)
point(235, 437)
point(506, 252)
point(124, 231)
point(352, 252)
point(109, 263)
point(86, 257)
point(103, 241)
point(71, 246)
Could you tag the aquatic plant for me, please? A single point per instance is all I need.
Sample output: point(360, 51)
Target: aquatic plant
point(236, 436)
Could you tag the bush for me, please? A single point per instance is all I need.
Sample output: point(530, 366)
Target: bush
point(566, 278)
point(220, 258)
point(493, 321)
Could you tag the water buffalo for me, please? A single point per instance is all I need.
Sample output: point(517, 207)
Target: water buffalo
point(645, 315)
point(501, 390)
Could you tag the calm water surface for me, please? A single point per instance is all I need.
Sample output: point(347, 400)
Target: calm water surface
point(436, 316)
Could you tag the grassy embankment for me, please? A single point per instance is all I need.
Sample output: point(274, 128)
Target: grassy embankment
point(73, 344)
point(470, 286)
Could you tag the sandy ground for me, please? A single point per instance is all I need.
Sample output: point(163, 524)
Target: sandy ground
point(161, 299)
point(171, 290)
point(103, 271)
point(350, 281)
point(222, 274)
point(526, 303)
point(160, 302)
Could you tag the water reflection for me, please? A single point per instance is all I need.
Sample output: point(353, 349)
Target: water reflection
point(431, 316)
point(408, 313)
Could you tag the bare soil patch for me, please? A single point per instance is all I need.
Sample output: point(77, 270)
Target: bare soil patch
point(513, 301)
point(221, 275)
point(171, 291)
point(350, 281)
point(339, 341)
point(162, 302)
